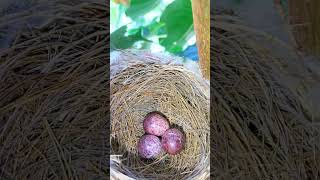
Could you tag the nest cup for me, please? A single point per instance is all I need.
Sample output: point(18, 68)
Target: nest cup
point(147, 85)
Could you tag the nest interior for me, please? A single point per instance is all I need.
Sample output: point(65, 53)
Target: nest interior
point(177, 93)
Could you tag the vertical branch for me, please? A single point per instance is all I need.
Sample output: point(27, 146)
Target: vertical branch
point(201, 19)
point(304, 20)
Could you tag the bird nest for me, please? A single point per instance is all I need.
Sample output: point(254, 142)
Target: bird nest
point(53, 95)
point(260, 127)
point(147, 85)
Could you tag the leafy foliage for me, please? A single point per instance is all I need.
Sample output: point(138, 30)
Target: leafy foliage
point(178, 19)
point(171, 28)
point(120, 41)
point(141, 7)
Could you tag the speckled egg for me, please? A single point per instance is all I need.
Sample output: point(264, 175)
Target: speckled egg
point(156, 124)
point(149, 146)
point(173, 141)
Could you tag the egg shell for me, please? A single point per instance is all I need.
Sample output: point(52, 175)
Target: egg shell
point(173, 141)
point(149, 146)
point(156, 124)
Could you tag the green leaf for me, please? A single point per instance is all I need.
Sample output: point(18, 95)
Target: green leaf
point(141, 7)
point(178, 22)
point(175, 49)
point(154, 29)
point(119, 40)
point(133, 31)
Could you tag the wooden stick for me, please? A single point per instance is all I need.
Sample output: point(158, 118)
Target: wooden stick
point(201, 19)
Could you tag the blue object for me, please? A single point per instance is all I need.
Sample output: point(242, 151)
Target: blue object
point(191, 52)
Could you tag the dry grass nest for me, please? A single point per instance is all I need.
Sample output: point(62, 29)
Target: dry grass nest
point(53, 96)
point(175, 91)
point(260, 128)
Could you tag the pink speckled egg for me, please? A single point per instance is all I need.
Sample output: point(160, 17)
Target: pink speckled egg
point(173, 141)
point(149, 146)
point(154, 123)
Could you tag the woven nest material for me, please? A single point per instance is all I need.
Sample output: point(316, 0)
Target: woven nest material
point(181, 95)
point(53, 96)
point(260, 128)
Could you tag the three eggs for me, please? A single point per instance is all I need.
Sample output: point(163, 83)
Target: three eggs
point(159, 136)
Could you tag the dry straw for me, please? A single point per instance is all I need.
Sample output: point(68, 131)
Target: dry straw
point(53, 96)
point(260, 127)
point(181, 95)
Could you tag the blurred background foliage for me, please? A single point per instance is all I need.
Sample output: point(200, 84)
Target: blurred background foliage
point(157, 25)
